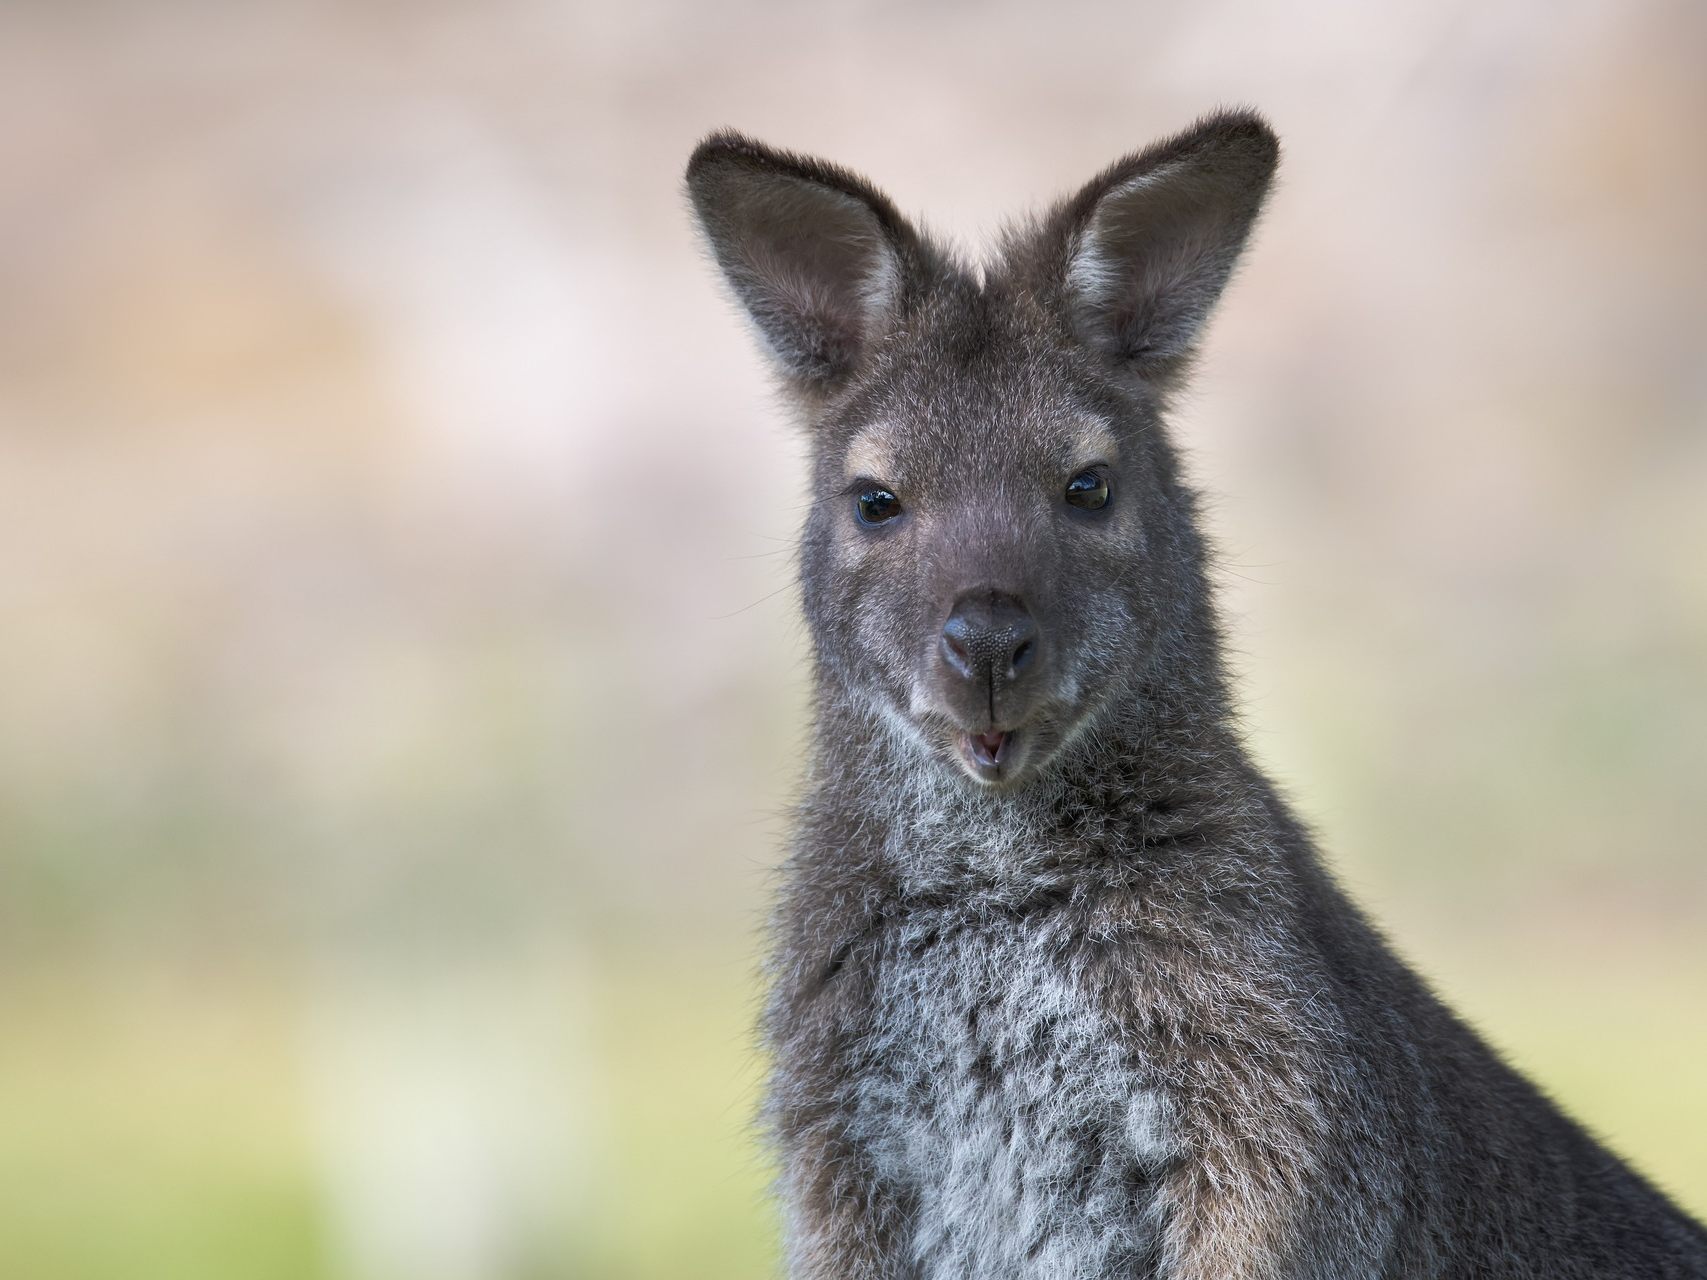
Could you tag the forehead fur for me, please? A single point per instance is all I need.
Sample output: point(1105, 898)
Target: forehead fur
point(981, 377)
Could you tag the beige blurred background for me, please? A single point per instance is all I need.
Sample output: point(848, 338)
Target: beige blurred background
point(400, 684)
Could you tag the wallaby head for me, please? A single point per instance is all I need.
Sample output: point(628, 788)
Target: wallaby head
point(999, 549)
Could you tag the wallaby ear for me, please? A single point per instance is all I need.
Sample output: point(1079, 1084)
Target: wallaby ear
point(1152, 241)
point(820, 258)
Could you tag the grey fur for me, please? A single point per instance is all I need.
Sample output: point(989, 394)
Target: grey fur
point(1096, 1008)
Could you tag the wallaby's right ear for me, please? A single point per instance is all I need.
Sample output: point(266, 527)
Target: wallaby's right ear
point(820, 258)
point(1153, 240)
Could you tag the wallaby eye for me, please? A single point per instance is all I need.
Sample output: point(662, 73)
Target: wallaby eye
point(1088, 490)
point(875, 505)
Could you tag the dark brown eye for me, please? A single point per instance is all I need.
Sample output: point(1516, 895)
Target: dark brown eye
point(1088, 490)
point(877, 505)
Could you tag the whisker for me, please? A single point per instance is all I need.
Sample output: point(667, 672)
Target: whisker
point(769, 595)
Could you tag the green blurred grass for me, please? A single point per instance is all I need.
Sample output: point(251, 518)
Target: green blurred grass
point(687, 1187)
point(152, 1137)
point(156, 1130)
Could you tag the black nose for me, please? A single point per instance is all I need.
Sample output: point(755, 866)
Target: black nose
point(989, 638)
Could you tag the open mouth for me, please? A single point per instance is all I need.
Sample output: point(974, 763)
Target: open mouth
point(985, 753)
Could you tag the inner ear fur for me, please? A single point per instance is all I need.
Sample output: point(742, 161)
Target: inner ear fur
point(1148, 245)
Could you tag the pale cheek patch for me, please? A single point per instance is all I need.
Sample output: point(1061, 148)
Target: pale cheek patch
point(1095, 442)
point(869, 456)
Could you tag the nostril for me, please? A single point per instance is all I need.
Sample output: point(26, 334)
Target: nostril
point(1024, 654)
point(955, 653)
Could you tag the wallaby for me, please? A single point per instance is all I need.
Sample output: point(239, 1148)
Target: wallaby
point(1059, 987)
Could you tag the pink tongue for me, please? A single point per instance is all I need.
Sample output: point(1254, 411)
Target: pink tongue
point(991, 742)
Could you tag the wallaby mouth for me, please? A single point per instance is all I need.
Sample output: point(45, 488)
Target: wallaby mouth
point(987, 752)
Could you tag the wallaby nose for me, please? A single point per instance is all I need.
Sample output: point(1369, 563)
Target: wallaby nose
point(989, 638)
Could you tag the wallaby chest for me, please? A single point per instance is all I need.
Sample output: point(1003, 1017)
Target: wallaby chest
point(996, 1098)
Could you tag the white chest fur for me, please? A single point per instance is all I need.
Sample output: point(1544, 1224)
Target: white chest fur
point(996, 1100)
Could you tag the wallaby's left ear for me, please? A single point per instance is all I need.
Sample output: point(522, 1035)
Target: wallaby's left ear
point(1151, 242)
point(820, 258)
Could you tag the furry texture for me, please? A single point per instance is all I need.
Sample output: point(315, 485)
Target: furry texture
point(1100, 1011)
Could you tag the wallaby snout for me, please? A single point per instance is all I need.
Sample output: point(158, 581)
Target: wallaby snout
point(989, 647)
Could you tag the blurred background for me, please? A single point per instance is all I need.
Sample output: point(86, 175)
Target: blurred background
point(400, 687)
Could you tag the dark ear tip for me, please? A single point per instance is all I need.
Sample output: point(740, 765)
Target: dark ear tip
point(1241, 131)
point(721, 147)
point(727, 159)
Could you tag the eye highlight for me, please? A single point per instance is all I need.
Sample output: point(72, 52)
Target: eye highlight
point(1088, 490)
point(875, 505)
